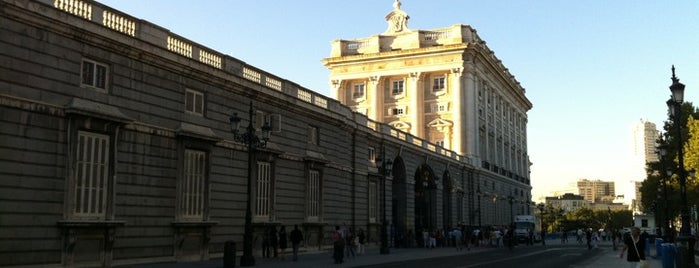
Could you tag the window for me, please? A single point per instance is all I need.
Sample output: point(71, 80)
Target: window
point(192, 186)
point(94, 74)
point(194, 102)
point(397, 87)
point(358, 91)
point(397, 111)
point(263, 191)
point(373, 202)
point(438, 84)
point(314, 191)
point(313, 135)
point(440, 107)
point(439, 143)
point(91, 176)
point(372, 154)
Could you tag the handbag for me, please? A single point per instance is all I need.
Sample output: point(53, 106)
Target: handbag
point(642, 263)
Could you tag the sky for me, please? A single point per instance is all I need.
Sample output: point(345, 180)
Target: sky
point(593, 69)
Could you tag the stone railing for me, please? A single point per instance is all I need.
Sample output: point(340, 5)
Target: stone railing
point(153, 34)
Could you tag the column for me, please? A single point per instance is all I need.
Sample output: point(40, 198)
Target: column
point(417, 97)
point(455, 141)
point(470, 129)
point(374, 94)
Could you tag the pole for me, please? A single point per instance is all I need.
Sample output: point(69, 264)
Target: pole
point(247, 259)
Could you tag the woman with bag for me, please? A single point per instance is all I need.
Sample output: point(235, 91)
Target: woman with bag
point(636, 257)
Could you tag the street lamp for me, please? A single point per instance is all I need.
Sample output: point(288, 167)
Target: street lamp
point(386, 166)
point(685, 250)
point(479, 208)
point(541, 207)
point(249, 138)
point(511, 199)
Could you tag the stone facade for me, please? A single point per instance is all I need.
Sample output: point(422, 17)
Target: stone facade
point(116, 148)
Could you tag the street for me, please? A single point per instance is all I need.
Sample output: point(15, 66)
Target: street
point(522, 256)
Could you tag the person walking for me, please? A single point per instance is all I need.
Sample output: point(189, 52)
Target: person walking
point(361, 239)
point(456, 233)
point(295, 237)
point(636, 256)
point(350, 243)
point(338, 245)
point(273, 241)
point(282, 243)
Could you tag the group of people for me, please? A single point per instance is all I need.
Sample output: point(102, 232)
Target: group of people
point(275, 243)
point(347, 243)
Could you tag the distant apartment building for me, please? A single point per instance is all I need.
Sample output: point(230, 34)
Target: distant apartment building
point(596, 190)
point(645, 141)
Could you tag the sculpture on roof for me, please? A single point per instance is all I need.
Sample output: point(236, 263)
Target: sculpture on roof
point(397, 19)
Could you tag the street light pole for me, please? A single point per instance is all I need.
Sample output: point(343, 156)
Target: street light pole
point(252, 141)
point(511, 199)
point(540, 206)
point(685, 250)
point(385, 171)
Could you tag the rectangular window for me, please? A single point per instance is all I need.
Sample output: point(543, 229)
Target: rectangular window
point(397, 111)
point(438, 84)
point(373, 201)
point(313, 135)
point(439, 143)
point(194, 102)
point(397, 87)
point(91, 175)
point(192, 185)
point(313, 206)
point(263, 191)
point(94, 74)
point(358, 91)
point(372, 154)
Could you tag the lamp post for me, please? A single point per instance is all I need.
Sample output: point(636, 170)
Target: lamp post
point(386, 165)
point(541, 207)
point(685, 250)
point(479, 208)
point(511, 200)
point(252, 141)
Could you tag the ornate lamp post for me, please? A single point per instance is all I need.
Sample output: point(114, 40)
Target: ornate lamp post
point(511, 200)
point(386, 167)
point(541, 208)
point(249, 138)
point(685, 250)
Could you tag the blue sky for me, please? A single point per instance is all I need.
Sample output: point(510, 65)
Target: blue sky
point(591, 68)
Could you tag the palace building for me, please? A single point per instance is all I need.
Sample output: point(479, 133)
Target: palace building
point(116, 145)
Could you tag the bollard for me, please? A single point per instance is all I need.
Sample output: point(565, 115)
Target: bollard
point(669, 253)
point(647, 246)
point(229, 254)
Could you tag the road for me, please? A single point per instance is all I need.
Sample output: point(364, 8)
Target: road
point(519, 257)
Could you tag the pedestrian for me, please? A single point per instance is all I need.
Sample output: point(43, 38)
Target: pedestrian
point(456, 233)
point(265, 244)
point(361, 239)
point(636, 256)
point(296, 237)
point(273, 241)
point(588, 236)
point(282, 243)
point(338, 245)
point(349, 243)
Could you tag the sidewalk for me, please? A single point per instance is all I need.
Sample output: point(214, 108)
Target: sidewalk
point(316, 259)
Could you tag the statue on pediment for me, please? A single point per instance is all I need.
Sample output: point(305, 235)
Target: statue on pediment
point(397, 19)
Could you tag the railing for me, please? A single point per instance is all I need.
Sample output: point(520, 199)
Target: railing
point(136, 28)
